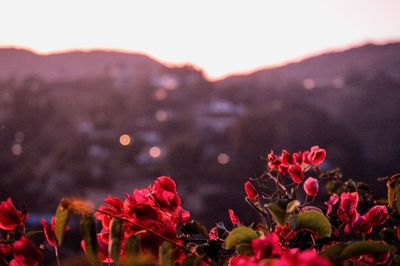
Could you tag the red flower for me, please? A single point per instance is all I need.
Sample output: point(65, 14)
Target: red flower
point(10, 217)
point(347, 211)
point(244, 261)
point(316, 155)
point(234, 219)
point(296, 173)
point(298, 157)
point(305, 157)
point(250, 191)
point(49, 233)
point(286, 158)
point(295, 257)
point(360, 225)
point(333, 199)
point(377, 215)
point(5, 250)
point(267, 246)
point(285, 233)
point(213, 234)
point(311, 186)
point(26, 253)
point(165, 191)
point(273, 160)
point(398, 232)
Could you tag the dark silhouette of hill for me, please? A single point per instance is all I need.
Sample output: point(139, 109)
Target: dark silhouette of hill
point(73, 65)
point(367, 59)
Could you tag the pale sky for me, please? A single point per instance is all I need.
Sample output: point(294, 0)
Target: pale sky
point(221, 37)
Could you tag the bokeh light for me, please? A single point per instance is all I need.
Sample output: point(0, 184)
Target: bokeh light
point(223, 158)
point(155, 152)
point(125, 140)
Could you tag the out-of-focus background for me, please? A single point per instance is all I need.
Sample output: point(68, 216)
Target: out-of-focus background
point(98, 99)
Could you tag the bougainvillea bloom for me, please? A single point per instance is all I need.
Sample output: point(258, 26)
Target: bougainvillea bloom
point(311, 186)
point(156, 207)
point(377, 215)
point(295, 257)
point(244, 261)
point(25, 253)
point(296, 173)
point(267, 246)
point(234, 219)
point(49, 233)
point(10, 217)
point(250, 191)
point(347, 211)
point(286, 233)
point(316, 155)
point(333, 199)
point(360, 225)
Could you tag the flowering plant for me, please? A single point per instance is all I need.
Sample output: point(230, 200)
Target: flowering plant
point(150, 226)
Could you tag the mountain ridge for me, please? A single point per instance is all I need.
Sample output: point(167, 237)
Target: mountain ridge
point(75, 64)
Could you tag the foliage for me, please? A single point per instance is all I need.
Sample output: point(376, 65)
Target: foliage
point(150, 226)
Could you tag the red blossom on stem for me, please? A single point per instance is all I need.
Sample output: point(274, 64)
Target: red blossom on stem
point(10, 217)
point(250, 191)
point(311, 186)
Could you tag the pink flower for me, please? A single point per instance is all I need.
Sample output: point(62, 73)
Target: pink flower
point(234, 219)
point(296, 173)
point(398, 232)
point(298, 157)
point(25, 253)
point(10, 217)
point(49, 233)
point(213, 234)
point(360, 225)
point(267, 246)
point(286, 158)
point(250, 191)
point(295, 257)
point(316, 155)
point(377, 215)
point(333, 199)
point(311, 186)
point(243, 261)
point(285, 232)
point(273, 160)
point(347, 211)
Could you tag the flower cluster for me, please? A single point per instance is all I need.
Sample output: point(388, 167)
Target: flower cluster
point(150, 227)
point(17, 249)
point(156, 208)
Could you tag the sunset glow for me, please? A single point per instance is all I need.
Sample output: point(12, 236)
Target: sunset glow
point(222, 37)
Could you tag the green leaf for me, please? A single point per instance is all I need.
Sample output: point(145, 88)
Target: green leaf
point(192, 260)
point(166, 254)
point(240, 235)
point(114, 246)
point(62, 216)
point(334, 252)
point(292, 206)
point(398, 198)
point(391, 187)
point(279, 214)
point(312, 220)
point(88, 232)
point(359, 248)
point(245, 249)
point(132, 246)
point(330, 187)
point(33, 234)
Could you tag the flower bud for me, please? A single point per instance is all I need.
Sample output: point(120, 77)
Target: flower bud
point(250, 191)
point(311, 186)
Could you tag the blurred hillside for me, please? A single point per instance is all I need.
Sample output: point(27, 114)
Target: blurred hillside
point(93, 123)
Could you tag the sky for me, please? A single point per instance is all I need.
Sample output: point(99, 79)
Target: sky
point(220, 36)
